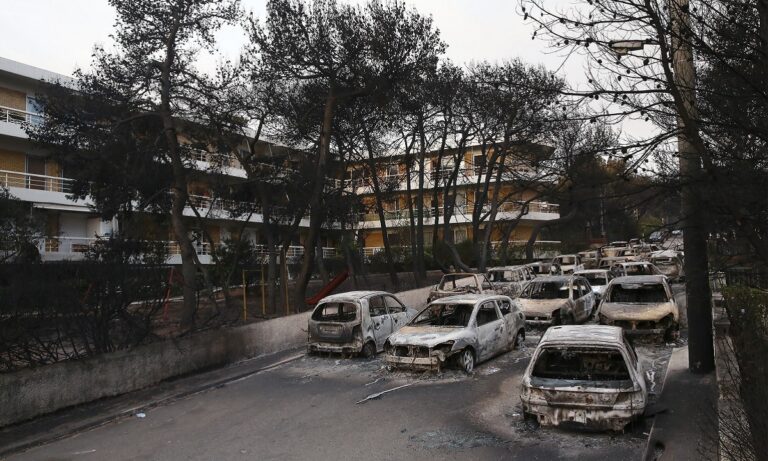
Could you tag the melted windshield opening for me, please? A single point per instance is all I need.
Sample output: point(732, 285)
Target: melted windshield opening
point(457, 282)
point(583, 364)
point(635, 293)
point(596, 279)
point(546, 290)
point(566, 260)
point(504, 276)
point(639, 269)
point(335, 312)
point(445, 315)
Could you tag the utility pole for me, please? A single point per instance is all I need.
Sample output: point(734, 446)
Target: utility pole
point(696, 264)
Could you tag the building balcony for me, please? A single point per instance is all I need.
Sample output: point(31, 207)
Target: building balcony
point(12, 121)
point(536, 211)
point(67, 248)
point(542, 249)
point(47, 191)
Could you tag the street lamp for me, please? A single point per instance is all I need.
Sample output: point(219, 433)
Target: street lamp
point(696, 264)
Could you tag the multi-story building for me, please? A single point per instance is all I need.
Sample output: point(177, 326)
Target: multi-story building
point(519, 192)
point(72, 226)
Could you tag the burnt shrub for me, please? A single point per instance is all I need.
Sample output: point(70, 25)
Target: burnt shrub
point(748, 313)
point(58, 311)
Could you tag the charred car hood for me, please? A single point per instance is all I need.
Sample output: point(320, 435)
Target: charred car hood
point(427, 336)
point(536, 307)
point(638, 311)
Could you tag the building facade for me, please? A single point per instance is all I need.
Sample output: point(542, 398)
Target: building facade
point(71, 227)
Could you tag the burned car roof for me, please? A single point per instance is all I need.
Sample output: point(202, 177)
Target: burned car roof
point(465, 299)
point(352, 295)
point(591, 271)
point(583, 334)
point(639, 279)
point(553, 278)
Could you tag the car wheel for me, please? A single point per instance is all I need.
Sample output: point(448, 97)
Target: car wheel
point(519, 339)
point(567, 319)
point(467, 361)
point(369, 350)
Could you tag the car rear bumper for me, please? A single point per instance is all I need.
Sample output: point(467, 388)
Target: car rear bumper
point(605, 419)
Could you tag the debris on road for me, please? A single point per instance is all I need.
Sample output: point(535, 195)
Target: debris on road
point(379, 394)
point(141, 415)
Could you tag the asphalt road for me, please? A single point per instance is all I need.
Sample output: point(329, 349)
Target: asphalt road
point(307, 410)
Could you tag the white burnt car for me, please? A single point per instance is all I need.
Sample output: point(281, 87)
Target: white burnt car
point(461, 283)
point(586, 375)
point(510, 280)
point(640, 304)
point(598, 279)
point(556, 300)
point(669, 263)
point(566, 264)
point(356, 322)
point(461, 330)
point(629, 268)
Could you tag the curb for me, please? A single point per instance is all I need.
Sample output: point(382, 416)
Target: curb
point(649, 454)
point(151, 404)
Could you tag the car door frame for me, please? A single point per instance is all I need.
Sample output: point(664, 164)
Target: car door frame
point(399, 319)
point(379, 330)
point(497, 331)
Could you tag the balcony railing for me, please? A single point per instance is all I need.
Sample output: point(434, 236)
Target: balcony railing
point(11, 115)
point(35, 181)
point(466, 210)
point(217, 158)
point(65, 245)
point(541, 248)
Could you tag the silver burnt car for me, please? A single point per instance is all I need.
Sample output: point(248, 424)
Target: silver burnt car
point(585, 375)
point(464, 330)
point(641, 304)
point(356, 322)
point(557, 300)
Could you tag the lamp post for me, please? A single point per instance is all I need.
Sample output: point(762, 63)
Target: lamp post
point(696, 263)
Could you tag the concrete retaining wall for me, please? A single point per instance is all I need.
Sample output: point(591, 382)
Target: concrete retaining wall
point(33, 392)
point(29, 393)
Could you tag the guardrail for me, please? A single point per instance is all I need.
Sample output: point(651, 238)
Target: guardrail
point(11, 115)
point(35, 181)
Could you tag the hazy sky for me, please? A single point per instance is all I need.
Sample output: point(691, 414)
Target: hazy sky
point(59, 35)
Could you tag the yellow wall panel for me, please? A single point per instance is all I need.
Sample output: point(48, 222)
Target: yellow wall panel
point(12, 161)
point(374, 239)
point(13, 99)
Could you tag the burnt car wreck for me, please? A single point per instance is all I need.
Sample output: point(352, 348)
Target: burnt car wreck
point(357, 322)
point(458, 330)
point(586, 376)
point(641, 305)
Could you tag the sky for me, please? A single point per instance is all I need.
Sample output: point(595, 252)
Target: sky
point(59, 35)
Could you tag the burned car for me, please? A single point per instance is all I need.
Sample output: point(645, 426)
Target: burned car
point(640, 304)
point(630, 268)
point(589, 258)
point(584, 376)
point(598, 279)
point(669, 263)
point(357, 322)
point(566, 264)
point(510, 280)
point(556, 300)
point(539, 267)
point(461, 282)
point(462, 330)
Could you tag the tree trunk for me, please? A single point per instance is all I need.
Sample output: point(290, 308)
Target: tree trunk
point(180, 194)
point(315, 211)
point(541, 225)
